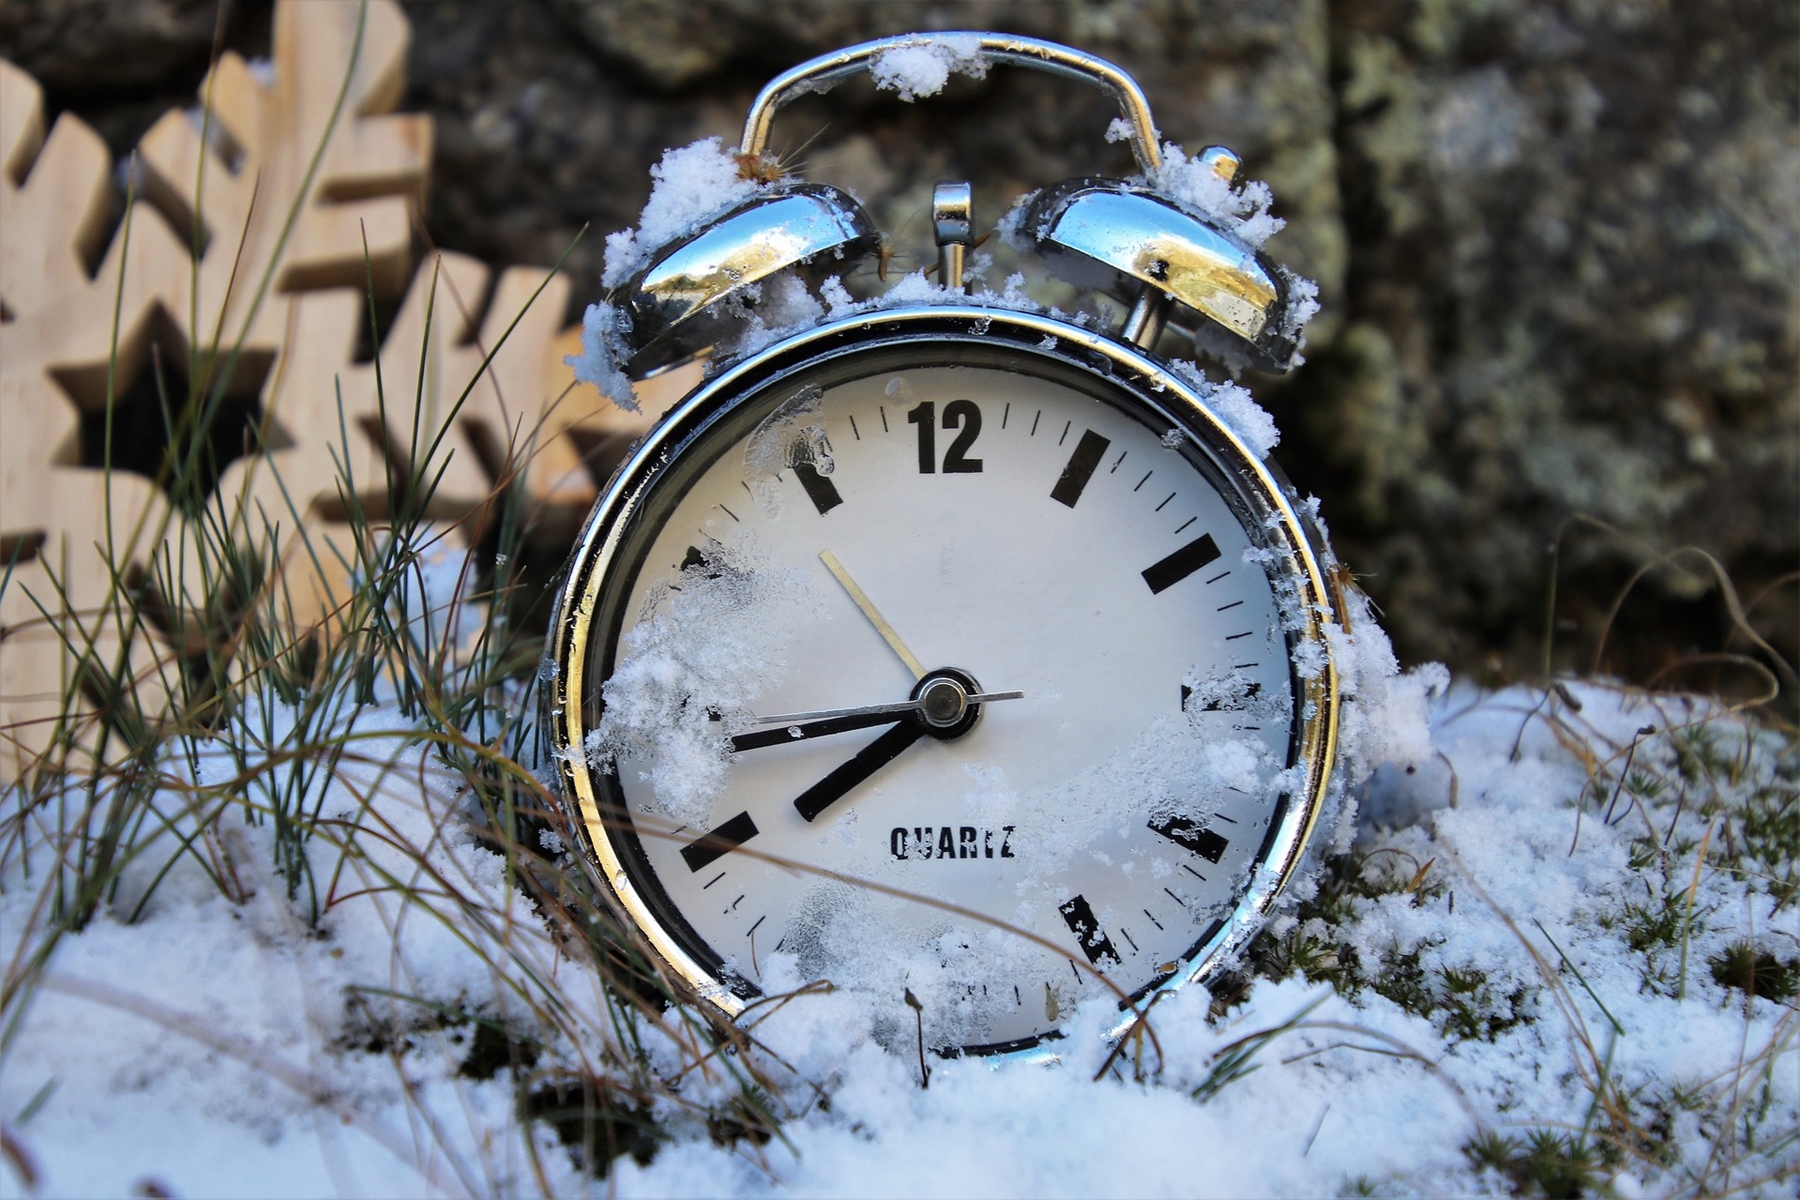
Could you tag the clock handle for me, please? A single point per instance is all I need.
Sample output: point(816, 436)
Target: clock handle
point(820, 74)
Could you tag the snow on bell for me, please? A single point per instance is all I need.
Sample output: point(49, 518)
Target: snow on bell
point(676, 304)
point(1101, 233)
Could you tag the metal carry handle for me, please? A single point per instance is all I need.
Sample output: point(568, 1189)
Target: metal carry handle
point(1052, 57)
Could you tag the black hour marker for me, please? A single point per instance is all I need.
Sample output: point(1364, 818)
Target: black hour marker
point(1093, 940)
point(819, 488)
point(710, 847)
point(1190, 836)
point(1080, 469)
point(1250, 693)
point(1184, 562)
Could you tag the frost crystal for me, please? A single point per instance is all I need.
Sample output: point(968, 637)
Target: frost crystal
point(603, 354)
point(1235, 407)
point(1241, 211)
point(777, 308)
point(791, 437)
point(691, 185)
point(690, 670)
point(923, 68)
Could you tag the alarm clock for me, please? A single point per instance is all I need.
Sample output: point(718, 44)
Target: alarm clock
point(943, 646)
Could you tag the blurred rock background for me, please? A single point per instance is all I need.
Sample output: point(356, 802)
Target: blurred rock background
point(1558, 243)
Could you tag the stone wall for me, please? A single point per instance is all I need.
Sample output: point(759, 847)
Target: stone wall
point(1558, 242)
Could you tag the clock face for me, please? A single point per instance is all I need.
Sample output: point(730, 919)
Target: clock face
point(950, 666)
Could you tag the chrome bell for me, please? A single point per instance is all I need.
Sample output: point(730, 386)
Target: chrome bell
point(672, 304)
point(1106, 233)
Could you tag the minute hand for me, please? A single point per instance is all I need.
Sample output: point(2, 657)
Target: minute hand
point(790, 727)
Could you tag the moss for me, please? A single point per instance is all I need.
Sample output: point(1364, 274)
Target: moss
point(1756, 972)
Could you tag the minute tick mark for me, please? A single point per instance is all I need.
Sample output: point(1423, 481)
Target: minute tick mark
point(1187, 522)
point(1234, 637)
point(1165, 503)
point(1067, 425)
point(1153, 920)
point(712, 881)
point(1005, 413)
point(1219, 576)
point(882, 409)
point(1119, 460)
point(854, 430)
point(1034, 423)
point(1145, 479)
point(1223, 607)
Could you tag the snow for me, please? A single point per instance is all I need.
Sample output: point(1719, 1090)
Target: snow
point(1242, 210)
point(217, 1046)
point(923, 67)
point(1248, 421)
point(604, 352)
point(687, 676)
point(691, 186)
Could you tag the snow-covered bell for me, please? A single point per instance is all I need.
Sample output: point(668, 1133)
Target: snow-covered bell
point(1130, 240)
point(673, 303)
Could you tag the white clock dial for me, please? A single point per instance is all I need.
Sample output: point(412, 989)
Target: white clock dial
point(983, 525)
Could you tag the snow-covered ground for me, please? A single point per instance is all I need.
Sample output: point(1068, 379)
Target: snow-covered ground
point(1528, 955)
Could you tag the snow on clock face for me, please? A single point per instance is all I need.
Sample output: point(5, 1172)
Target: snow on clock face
point(945, 652)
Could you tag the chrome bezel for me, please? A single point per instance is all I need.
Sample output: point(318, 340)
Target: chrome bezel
point(570, 706)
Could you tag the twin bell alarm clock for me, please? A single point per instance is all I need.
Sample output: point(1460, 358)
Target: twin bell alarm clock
point(941, 645)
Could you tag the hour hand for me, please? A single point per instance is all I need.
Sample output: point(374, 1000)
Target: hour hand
point(870, 759)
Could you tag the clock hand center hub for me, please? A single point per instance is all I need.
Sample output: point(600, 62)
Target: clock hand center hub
point(944, 707)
